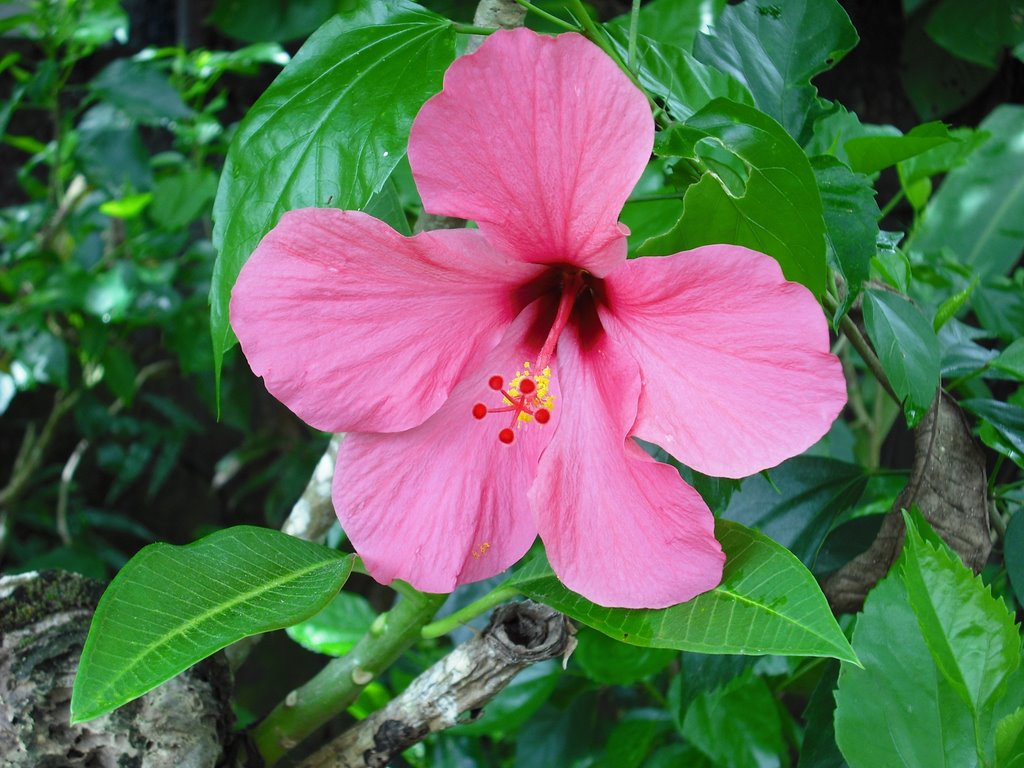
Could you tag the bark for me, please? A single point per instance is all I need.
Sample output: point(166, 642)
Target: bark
point(44, 619)
point(948, 485)
point(455, 689)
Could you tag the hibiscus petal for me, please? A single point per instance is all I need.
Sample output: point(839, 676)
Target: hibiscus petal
point(619, 528)
point(355, 327)
point(445, 503)
point(540, 140)
point(737, 372)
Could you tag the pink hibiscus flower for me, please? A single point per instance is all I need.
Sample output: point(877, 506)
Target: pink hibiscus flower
point(491, 380)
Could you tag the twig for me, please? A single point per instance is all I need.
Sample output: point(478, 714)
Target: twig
point(520, 634)
point(852, 332)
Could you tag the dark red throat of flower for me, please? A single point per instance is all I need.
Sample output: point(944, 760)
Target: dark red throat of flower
point(526, 397)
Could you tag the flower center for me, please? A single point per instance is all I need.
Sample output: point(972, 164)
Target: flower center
point(526, 397)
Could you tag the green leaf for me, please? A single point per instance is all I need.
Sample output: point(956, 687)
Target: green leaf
point(767, 603)
point(1011, 360)
point(140, 91)
point(937, 82)
point(262, 20)
point(182, 197)
point(609, 661)
point(979, 209)
point(1007, 419)
point(683, 83)
point(630, 741)
point(971, 637)
point(171, 606)
point(942, 158)
point(851, 222)
point(819, 748)
point(898, 710)
point(128, 207)
point(1010, 739)
point(738, 725)
point(308, 139)
point(811, 493)
point(776, 49)
point(907, 348)
point(977, 32)
point(338, 627)
point(758, 190)
point(870, 154)
point(672, 22)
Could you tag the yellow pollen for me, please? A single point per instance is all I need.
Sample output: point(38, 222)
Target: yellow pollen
point(481, 550)
point(541, 398)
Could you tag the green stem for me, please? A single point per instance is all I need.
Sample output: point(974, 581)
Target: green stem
point(469, 29)
point(464, 615)
point(549, 16)
point(893, 202)
point(852, 332)
point(339, 683)
point(634, 19)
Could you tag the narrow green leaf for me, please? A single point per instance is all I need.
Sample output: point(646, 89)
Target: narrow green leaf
point(907, 348)
point(171, 606)
point(776, 49)
point(851, 222)
point(758, 190)
point(979, 209)
point(870, 154)
point(308, 141)
point(767, 603)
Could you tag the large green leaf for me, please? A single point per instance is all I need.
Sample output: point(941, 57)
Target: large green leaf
point(800, 503)
point(170, 607)
point(978, 211)
point(907, 348)
point(851, 222)
point(870, 154)
point(673, 74)
point(672, 22)
point(758, 190)
point(1006, 418)
point(767, 603)
point(775, 49)
point(898, 710)
point(972, 639)
point(328, 131)
point(977, 32)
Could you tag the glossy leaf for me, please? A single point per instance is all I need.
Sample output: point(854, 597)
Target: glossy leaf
point(338, 627)
point(797, 508)
point(672, 22)
point(1011, 360)
point(737, 725)
point(767, 603)
point(171, 606)
point(328, 131)
point(898, 710)
point(978, 210)
point(870, 154)
point(977, 32)
point(1007, 419)
point(758, 191)
point(972, 639)
point(605, 660)
point(673, 74)
point(907, 348)
point(775, 50)
point(851, 222)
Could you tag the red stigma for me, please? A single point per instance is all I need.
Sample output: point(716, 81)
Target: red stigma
point(527, 386)
point(495, 382)
point(479, 411)
point(543, 415)
point(507, 436)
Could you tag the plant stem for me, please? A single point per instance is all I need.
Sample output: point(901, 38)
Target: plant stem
point(893, 202)
point(652, 197)
point(549, 16)
point(339, 683)
point(852, 332)
point(496, 596)
point(634, 19)
point(469, 29)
